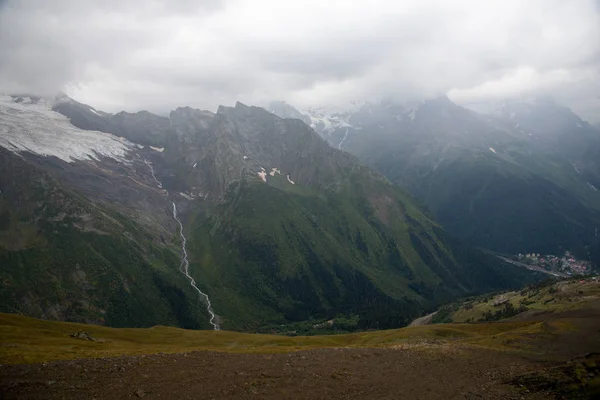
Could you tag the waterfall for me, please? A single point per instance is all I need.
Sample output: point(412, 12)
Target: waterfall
point(343, 139)
point(184, 267)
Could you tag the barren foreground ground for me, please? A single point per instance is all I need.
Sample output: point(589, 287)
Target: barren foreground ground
point(316, 374)
point(550, 356)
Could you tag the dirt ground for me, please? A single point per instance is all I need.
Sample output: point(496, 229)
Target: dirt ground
point(419, 373)
point(421, 369)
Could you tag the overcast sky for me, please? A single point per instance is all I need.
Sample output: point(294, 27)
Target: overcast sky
point(160, 54)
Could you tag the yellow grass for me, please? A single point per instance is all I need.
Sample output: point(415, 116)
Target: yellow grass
point(30, 340)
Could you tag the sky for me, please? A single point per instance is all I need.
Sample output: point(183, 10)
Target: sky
point(161, 54)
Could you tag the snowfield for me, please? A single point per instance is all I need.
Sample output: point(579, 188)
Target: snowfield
point(273, 171)
point(35, 128)
point(262, 175)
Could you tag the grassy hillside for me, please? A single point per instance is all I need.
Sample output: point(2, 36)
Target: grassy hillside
point(539, 299)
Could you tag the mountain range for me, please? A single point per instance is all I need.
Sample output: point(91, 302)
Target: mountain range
point(135, 219)
point(523, 178)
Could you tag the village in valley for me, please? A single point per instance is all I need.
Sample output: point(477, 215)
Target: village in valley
point(566, 264)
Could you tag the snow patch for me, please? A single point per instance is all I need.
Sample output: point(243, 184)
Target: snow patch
point(35, 128)
point(289, 180)
point(273, 170)
point(576, 169)
point(594, 188)
point(158, 149)
point(245, 157)
point(195, 164)
point(186, 196)
point(95, 112)
point(262, 175)
point(492, 150)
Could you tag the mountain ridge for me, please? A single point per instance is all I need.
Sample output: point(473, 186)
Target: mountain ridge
point(280, 226)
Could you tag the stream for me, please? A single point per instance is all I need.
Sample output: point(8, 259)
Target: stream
point(184, 267)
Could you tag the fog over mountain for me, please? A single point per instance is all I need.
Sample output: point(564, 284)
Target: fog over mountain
point(160, 54)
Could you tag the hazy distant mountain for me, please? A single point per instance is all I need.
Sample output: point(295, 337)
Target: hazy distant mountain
point(284, 110)
point(556, 130)
point(280, 227)
point(525, 178)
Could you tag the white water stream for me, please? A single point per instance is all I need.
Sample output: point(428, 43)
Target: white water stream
point(152, 172)
point(343, 139)
point(184, 267)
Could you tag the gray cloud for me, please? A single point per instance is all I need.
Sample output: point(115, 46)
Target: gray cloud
point(159, 54)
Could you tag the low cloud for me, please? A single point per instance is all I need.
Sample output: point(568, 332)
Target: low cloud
point(160, 54)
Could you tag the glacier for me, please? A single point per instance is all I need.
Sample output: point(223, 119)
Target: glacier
point(35, 128)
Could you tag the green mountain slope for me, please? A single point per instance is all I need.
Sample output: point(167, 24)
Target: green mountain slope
point(288, 257)
point(341, 239)
point(65, 258)
point(501, 205)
